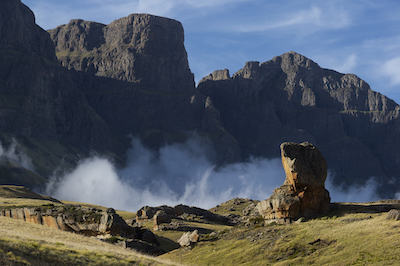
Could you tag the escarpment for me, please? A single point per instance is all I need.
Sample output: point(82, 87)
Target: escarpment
point(39, 103)
point(135, 74)
point(291, 98)
point(87, 87)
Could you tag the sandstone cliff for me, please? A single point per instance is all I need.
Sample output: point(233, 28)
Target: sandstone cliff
point(291, 98)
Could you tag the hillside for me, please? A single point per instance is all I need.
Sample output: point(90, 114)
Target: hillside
point(350, 234)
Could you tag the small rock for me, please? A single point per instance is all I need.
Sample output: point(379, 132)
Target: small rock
point(393, 214)
point(189, 239)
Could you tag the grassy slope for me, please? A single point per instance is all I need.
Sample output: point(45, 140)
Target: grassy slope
point(24, 243)
point(351, 234)
point(31, 244)
point(365, 239)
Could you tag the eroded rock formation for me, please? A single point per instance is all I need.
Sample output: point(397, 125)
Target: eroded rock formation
point(165, 214)
point(303, 193)
point(86, 221)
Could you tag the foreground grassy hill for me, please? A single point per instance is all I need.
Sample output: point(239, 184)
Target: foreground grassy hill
point(23, 243)
point(350, 234)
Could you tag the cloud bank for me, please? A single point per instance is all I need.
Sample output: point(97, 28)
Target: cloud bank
point(179, 173)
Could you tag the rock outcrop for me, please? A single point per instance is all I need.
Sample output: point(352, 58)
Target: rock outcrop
point(165, 214)
point(86, 221)
point(303, 193)
point(393, 214)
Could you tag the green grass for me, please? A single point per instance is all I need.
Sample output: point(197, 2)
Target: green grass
point(368, 239)
point(350, 234)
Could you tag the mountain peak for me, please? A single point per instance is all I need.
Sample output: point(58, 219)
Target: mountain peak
point(19, 31)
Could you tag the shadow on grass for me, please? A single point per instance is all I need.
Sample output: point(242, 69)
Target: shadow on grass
point(166, 244)
point(341, 209)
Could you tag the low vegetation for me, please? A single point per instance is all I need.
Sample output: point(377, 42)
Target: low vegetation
point(350, 234)
point(23, 243)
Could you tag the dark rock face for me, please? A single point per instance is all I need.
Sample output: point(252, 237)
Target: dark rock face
point(38, 100)
point(131, 77)
point(303, 193)
point(290, 98)
point(18, 31)
point(135, 74)
point(138, 48)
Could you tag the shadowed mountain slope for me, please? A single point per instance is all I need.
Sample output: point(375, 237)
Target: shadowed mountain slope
point(290, 98)
point(86, 86)
point(135, 74)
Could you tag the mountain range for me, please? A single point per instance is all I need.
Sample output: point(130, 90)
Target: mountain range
point(86, 87)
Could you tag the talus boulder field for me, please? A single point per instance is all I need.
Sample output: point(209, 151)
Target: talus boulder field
point(303, 193)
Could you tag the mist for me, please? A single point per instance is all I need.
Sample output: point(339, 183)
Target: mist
point(181, 174)
point(15, 154)
point(176, 174)
point(353, 193)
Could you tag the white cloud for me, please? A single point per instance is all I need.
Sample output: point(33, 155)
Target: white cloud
point(308, 20)
point(391, 69)
point(353, 193)
point(178, 173)
point(348, 65)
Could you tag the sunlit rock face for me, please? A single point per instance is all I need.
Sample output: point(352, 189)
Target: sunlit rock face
point(303, 193)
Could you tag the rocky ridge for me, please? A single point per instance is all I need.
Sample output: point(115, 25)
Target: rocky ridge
point(291, 98)
point(137, 67)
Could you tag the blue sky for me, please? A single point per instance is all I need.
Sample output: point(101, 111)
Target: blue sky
point(358, 36)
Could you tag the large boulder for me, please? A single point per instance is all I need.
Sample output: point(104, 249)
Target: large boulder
point(303, 193)
point(188, 239)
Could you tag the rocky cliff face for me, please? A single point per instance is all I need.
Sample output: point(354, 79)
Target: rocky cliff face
point(131, 77)
point(135, 74)
point(290, 98)
point(39, 103)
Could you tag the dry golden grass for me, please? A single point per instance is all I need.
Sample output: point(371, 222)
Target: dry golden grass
point(350, 234)
point(27, 243)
